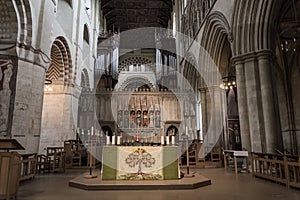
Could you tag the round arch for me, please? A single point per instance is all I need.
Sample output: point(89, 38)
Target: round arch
point(16, 23)
point(216, 41)
point(61, 63)
point(85, 80)
point(124, 65)
point(135, 82)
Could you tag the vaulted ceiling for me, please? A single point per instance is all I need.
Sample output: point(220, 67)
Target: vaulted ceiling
point(130, 14)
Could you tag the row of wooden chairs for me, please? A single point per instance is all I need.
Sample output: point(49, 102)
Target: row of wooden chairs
point(53, 161)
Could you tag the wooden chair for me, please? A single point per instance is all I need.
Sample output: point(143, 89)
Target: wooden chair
point(43, 164)
point(57, 159)
point(28, 166)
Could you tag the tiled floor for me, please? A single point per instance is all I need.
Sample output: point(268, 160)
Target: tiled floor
point(225, 186)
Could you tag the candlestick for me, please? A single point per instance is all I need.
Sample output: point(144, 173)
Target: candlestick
point(92, 130)
point(82, 135)
point(77, 134)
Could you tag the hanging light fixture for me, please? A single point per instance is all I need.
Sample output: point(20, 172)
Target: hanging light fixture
point(229, 82)
point(290, 34)
point(289, 38)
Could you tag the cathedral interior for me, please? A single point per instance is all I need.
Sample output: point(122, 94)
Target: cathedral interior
point(215, 81)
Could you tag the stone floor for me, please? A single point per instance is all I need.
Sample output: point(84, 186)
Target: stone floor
point(225, 186)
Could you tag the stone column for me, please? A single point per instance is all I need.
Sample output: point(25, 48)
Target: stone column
point(254, 106)
point(204, 111)
point(268, 106)
point(242, 106)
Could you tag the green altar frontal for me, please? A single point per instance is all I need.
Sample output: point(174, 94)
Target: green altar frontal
point(140, 163)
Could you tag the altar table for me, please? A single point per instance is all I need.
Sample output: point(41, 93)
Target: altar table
point(140, 163)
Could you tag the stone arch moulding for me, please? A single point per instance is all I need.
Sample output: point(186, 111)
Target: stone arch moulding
point(253, 36)
point(85, 80)
point(216, 32)
point(62, 61)
point(134, 60)
point(190, 69)
point(19, 19)
point(136, 79)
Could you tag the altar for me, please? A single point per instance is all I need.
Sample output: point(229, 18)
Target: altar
point(140, 163)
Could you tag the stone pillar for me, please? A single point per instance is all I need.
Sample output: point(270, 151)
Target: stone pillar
point(26, 124)
point(59, 117)
point(204, 111)
point(271, 121)
point(242, 106)
point(254, 106)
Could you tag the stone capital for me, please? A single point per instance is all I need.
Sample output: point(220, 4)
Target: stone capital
point(253, 56)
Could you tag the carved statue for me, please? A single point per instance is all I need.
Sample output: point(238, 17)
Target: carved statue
point(132, 119)
point(157, 119)
point(120, 119)
point(139, 118)
point(145, 119)
point(126, 119)
point(7, 76)
point(151, 119)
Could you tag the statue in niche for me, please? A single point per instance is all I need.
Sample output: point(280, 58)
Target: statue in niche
point(90, 104)
point(151, 119)
point(157, 119)
point(132, 119)
point(6, 73)
point(1, 75)
point(120, 118)
point(145, 119)
point(126, 119)
point(83, 104)
point(139, 118)
point(7, 76)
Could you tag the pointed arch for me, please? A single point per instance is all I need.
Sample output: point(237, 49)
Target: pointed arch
point(216, 33)
point(86, 34)
point(253, 23)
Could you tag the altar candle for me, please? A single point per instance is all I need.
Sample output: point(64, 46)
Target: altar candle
point(173, 140)
point(113, 141)
point(82, 135)
point(186, 130)
point(167, 140)
point(107, 139)
point(77, 133)
point(92, 130)
point(89, 136)
point(118, 140)
point(162, 140)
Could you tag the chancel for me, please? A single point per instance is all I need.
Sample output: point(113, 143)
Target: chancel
point(167, 95)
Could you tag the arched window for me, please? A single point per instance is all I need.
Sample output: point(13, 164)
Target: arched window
point(86, 36)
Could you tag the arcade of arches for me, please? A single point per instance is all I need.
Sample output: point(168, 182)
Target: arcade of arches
point(225, 73)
